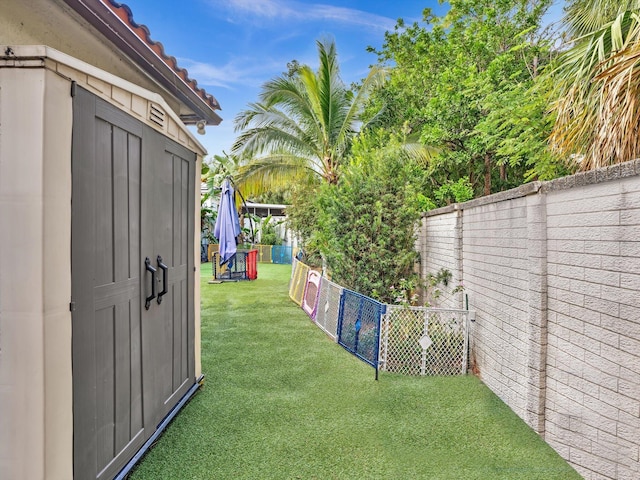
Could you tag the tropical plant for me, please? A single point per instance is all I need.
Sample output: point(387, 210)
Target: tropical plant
point(457, 79)
point(598, 84)
point(303, 124)
point(217, 169)
point(406, 292)
point(207, 214)
point(207, 220)
point(366, 223)
point(437, 289)
point(268, 232)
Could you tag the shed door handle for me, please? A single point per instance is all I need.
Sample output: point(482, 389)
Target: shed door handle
point(149, 268)
point(165, 279)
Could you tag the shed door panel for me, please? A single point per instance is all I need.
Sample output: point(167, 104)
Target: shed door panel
point(168, 232)
point(130, 365)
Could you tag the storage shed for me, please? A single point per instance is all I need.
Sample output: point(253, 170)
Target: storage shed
point(99, 238)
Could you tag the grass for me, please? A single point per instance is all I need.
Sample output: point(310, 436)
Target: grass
point(282, 401)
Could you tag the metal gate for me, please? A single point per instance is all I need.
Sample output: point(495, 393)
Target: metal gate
point(424, 341)
point(132, 287)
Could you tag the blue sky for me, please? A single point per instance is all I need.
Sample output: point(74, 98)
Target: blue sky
point(231, 47)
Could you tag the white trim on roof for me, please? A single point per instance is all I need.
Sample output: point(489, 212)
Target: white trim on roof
point(25, 54)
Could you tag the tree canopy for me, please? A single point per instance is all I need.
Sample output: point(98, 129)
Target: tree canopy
point(478, 100)
point(367, 222)
point(466, 83)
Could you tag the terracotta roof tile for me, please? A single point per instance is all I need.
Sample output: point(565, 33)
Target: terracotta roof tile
point(124, 13)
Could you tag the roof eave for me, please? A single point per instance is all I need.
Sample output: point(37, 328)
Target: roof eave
point(107, 22)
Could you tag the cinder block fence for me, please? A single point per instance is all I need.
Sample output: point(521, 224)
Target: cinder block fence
point(552, 270)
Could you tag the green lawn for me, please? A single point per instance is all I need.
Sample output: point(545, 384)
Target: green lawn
point(282, 401)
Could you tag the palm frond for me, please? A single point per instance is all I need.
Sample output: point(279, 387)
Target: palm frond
point(289, 94)
point(376, 77)
point(309, 115)
point(598, 85)
point(271, 173)
point(619, 136)
point(312, 116)
point(332, 92)
point(586, 16)
point(420, 152)
point(274, 130)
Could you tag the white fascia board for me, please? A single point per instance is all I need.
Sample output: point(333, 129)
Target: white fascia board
point(20, 53)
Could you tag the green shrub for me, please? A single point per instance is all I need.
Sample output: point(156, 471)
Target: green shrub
point(368, 221)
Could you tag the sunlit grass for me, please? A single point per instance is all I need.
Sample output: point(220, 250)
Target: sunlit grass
point(282, 401)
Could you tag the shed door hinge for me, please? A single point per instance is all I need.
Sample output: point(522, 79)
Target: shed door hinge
point(72, 306)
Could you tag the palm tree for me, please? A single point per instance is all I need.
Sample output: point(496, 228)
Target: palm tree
point(303, 124)
point(598, 81)
point(219, 167)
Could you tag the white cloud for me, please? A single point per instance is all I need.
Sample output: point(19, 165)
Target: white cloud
point(259, 8)
point(240, 72)
point(350, 16)
point(207, 74)
point(291, 10)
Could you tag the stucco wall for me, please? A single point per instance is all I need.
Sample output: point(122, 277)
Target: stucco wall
point(553, 272)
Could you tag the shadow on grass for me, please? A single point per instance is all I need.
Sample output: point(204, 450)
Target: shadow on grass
point(282, 401)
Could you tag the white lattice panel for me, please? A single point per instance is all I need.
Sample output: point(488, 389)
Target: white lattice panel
point(328, 307)
point(424, 341)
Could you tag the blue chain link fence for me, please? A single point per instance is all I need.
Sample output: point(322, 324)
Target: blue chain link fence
point(282, 254)
point(359, 326)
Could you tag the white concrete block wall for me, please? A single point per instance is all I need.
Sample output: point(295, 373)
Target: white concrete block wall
point(495, 278)
point(441, 249)
point(553, 272)
point(440, 240)
point(593, 356)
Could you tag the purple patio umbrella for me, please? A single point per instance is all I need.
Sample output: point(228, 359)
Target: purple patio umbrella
point(227, 226)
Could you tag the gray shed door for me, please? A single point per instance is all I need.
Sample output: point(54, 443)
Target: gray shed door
point(133, 197)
